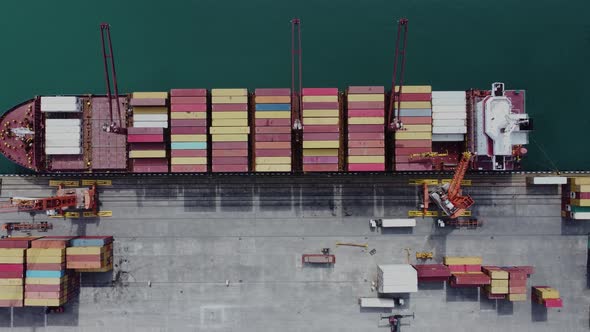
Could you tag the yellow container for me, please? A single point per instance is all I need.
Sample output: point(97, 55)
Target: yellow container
point(11, 292)
point(12, 252)
point(45, 281)
point(273, 99)
point(579, 180)
point(323, 99)
point(367, 120)
point(401, 135)
point(46, 259)
point(584, 188)
point(320, 113)
point(11, 282)
point(150, 110)
point(188, 138)
point(415, 88)
point(272, 115)
point(366, 159)
point(320, 121)
point(548, 293)
point(44, 302)
point(102, 269)
point(366, 97)
point(154, 95)
point(188, 161)
point(462, 260)
point(273, 168)
point(499, 283)
point(12, 260)
point(496, 289)
point(418, 128)
point(230, 100)
point(229, 130)
point(230, 123)
point(273, 160)
point(415, 104)
point(321, 144)
point(580, 202)
point(229, 138)
point(229, 92)
point(86, 250)
point(229, 115)
point(188, 115)
point(320, 152)
point(45, 252)
point(516, 297)
point(147, 154)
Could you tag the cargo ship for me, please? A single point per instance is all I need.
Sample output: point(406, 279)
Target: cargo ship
point(268, 130)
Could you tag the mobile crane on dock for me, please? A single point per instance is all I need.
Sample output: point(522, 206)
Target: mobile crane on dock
point(448, 197)
point(85, 199)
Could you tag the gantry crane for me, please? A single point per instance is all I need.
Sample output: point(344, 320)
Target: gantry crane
point(85, 199)
point(393, 118)
point(296, 90)
point(448, 197)
point(107, 53)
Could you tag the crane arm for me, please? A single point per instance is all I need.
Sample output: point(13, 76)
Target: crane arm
point(455, 185)
point(400, 55)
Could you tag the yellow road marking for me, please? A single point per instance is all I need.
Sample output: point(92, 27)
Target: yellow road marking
point(363, 245)
point(67, 183)
point(89, 214)
point(463, 183)
point(72, 215)
point(417, 213)
point(421, 181)
point(466, 213)
point(98, 182)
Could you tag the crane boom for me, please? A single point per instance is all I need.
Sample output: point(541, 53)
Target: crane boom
point(70, 198)
point(455, 185)
point(107, 52)
point(448, 197)
point(394, 121)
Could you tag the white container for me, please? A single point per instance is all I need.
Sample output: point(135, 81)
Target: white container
point(62, 122)
point(448, 137)
point(50, 143)
point(449, 116)
point(388, 289)
point(449, 102)
point(66, 104)
point(150, 124)
point(450, 109)
point(448, 94)
point(397, 222)
point(547, 180)
point(376, 302)
point(63, 150)
point(53, 130)
point(448, 122)
point(150, 117)
point(397, 278)
point(449, 130)
point(581, 215)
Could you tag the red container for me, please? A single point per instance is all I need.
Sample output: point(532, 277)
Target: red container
point(188, 108)
point(273, 92)
point(147, 102)
point(363, 105)
point(413, 167)
point(273, 130)
point(320, 160)
point(376, 113)
point(188, 123)
point(517, 290)
point(145, 131)
point(84, 258)
point(188, 130)
point(319, 91)
point(366, 144)
point(43, 295)
point(366, 136)
point(365, 128)
point(44, 288)
point(11, 303)
point(528, 269)
point(409, 151)
point(229, 168)
point(230, 153)
point(229, 107)
point(188, 100)
point(553, 303)
point(229, 145)
point(273, 145)
point(321, 136)
point(273, 123)
point(412, 120)
point(366, 89)
point(517, 282)
point(272, 137)
point(10, 243)
point(46, 266)
point(51, 243)
point(11, 274)
point(230, 160)
point(319, 105)
point(472, 268)
point(456, 268)
point(12, 267)
point(147, 146)
point(471, 279)
point(150, 169)
point(188, 168)
point(366, 151)
point(320, 167)
point(432, 270)
point(188, 92)
point(366, 167)
point(407, 159)
point(188, 153)
point(273, 153)
point(581, 195)
point(415, 96)
point(413, 143)
point(145, 138)
point(321, 129)
point(515, 273)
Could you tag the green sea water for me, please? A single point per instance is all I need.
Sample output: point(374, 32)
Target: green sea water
point(53, 47)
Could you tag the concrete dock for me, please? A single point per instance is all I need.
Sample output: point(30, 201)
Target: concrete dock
point(223, 253)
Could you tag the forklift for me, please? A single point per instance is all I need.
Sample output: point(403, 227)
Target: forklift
point(395, 321)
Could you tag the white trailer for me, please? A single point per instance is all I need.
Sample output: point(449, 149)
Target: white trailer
point(386, 223)
point(376, 302)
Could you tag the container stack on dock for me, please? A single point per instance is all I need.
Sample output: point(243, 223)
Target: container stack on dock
point(547, 296)
point(449, 116)
point(498, 287)
point(416, 138)
point(575, 203)
point(230, 130)
point(12, 267)
point(321, 130)
point(188, 130)
point(147, 150)
point(466, 271)
point(90, 254)
point(397, 278)
point(366, 130)
point(272, 140)
point(517, 279)
point(432, 272)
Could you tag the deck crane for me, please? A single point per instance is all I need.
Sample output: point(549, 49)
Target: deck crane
point(393, 118)
point(296, 85)
point(107, 52)
point(448, 197)
point(85, 199)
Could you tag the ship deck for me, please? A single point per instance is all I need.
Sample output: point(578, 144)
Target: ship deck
point(13, 147)
point(178, 239)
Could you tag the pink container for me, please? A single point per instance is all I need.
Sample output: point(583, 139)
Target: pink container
point(145, 131)
point(188, 130)
point(188, 153)
point(188, 100)
point(319, 91)
point(150, 169)
point(320, 160)
point(320, 167)
point(366, 144)
point(273, 153)
point(188, 123)
point(366, 167)
point(151, 162)
point(188, 168)
point(375, 113)
point(363, 105)
point(321, 129)
point(411, 120)
point(553, 303)
point(145, 138)
point(366, 128)
point(188, 92)
point(12, 267)
point(188, 108)
point(229, 145)
point(413, 166)
point(320, 105)
point(366, 151)
point(229, 107)
point(272, 92)
point(272, 137)
point(409, 151)
point(273, 130)
point(414, 143)
point(147, 146)
point(415, 96)
point(366, 136)
point(147, 102)
point(230, 153)
point(230, 160)
point(273, 122)
point(321, 136)
point(229, 168)
point(366, 89)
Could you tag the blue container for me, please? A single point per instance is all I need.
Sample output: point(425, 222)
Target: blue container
point(188, 145)
point(88, 242)
point(273, 107)
point(44, 274)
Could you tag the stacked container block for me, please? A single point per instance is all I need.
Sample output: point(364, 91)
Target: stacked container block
point(449, 116)
point(229, 130)
point(498, 287)
point(272, 140)
point(321, 130)
point(432, 272)
point(547, 296)
point(397, 278)
point(188, 130)
point(150, 115)
point(575, 202)
point(466, 271)
point(517, 279)
point(12, 267)
point(90, 254)
point(366, 130)
point(416, 136)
